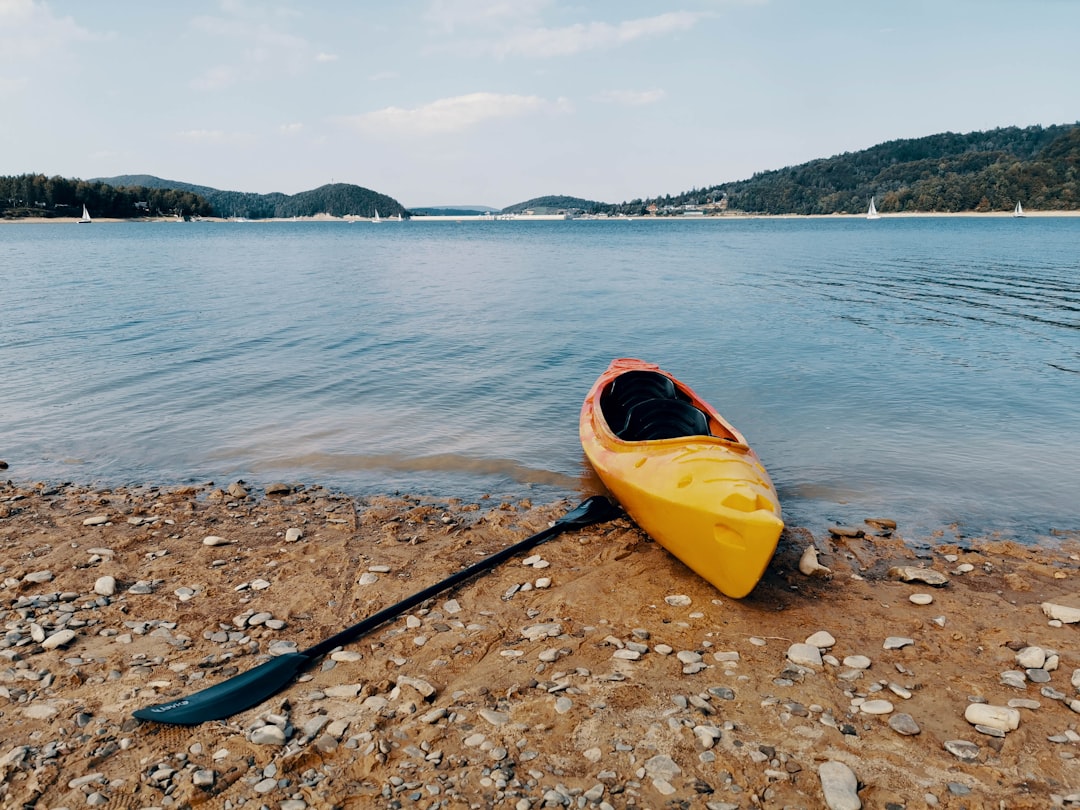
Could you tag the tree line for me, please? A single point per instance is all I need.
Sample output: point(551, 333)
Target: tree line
point(949, 172)
point(35, 195)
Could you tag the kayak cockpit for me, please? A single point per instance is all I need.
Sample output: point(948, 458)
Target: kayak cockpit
point(646, 406)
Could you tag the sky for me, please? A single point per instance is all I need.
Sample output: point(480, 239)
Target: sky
point(494, 102)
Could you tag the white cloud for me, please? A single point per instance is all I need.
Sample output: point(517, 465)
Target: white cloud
point(216, 78)
point(453, 114)
point(632, 98)
point(450, 15)
point(549, 42)
point(256, 47)
point(29, 30)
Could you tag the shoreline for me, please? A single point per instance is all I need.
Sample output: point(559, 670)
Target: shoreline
point(598, 671)
point(733, 217)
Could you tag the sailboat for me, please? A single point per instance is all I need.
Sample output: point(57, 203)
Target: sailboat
point(872, 212)
point(85, 216)
point(1019, 210)
point(376, 218)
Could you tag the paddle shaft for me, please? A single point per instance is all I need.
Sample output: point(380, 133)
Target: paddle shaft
point(250, 688)
point(386, 614)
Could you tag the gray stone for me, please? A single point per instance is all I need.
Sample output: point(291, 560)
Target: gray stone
point(661, 767)
point(962, 750)
point(925, 575)
point(806, 655)
point(839, 785)
point(905, 724)
point(897, 642)
point(268, 735)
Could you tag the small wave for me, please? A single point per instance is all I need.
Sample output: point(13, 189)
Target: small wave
point(442, 462)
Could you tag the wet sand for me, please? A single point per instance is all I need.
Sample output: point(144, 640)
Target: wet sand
point(602, 673)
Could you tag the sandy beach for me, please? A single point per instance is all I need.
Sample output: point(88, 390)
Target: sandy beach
point(596, 672)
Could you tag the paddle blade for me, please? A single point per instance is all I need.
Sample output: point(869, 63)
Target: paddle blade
point(596, 509)
point(230, 696)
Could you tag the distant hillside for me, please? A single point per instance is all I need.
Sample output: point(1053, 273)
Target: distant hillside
point(336, 199)
point(149, 181)
point(35, 195)
point(555, 205)
point(979, 171)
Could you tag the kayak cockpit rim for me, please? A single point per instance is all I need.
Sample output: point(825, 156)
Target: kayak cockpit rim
point(653, 386)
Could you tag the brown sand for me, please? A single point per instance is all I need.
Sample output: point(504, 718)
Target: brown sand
point(513, 722)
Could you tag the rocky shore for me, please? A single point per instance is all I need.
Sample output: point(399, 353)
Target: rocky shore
point(874, 671)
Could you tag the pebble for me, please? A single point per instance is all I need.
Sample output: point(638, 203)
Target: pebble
point(822, 640)
point(1031, 657)
point(268, 735)
point(1061, 613)
point(921, 599)
point(927, 576)
point(368, 578)
point(58, 639)
point(904, 724)
point(876, 707)
point(1014, 678)
point(293, 534)
point(846, 531)
point(678, 600)
point(962, 750)
point(807, 655)
point(839, 785)
point(897, 642)
point(96, 520)
point(105, 586)
point(215, 540)
point(1002, 718)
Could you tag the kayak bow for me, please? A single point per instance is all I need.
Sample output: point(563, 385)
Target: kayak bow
point(683, 473)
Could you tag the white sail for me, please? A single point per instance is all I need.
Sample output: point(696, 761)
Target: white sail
point(872, 212)
point(1019, 210)
point(376, 218)
point(85, 216)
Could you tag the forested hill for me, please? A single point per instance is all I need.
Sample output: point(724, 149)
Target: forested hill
point(553, 205)
point(336, 199)
point(142, 195)
point(35, 195)
point(979, 171)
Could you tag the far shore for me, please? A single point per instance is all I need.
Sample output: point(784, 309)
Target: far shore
point(730, 217)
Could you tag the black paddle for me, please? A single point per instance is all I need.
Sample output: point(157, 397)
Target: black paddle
point(254, 686)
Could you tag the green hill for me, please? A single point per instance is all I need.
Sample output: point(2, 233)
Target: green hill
point(555, 205)
point(35, 195)
point(979, 171)
point(336, 199)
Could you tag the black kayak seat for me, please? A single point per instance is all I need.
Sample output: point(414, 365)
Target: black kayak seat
point(631, 388)
point(663, 419)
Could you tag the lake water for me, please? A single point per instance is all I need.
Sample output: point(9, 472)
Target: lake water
point(924, 369)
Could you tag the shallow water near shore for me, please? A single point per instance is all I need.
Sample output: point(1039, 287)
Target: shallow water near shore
point(922, 369)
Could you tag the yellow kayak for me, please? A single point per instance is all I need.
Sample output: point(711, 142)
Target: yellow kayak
point(686, 476)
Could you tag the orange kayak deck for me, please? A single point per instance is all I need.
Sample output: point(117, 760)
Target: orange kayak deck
point(707, 499)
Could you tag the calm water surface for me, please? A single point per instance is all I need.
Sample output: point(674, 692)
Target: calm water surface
point(922, 369)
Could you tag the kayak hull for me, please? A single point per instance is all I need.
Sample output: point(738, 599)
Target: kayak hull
point(707, 499)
